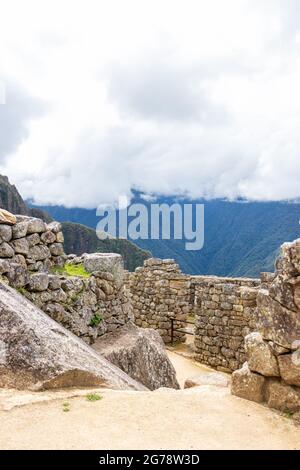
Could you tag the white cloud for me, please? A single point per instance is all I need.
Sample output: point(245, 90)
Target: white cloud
point(195, 97)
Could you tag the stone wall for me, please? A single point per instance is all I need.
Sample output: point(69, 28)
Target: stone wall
point(224, 314)
point(272, 371)
point(159, 292)
point(32, 244)
point(90, 305)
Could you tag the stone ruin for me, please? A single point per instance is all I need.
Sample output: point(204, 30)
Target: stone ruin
point(271, 373)
point(250, 327)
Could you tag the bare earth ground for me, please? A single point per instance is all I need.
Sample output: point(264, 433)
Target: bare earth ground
point(206, 417)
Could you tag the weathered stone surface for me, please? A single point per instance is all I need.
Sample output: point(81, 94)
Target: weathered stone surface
point(35, 226)
point(248, 385)
point(211, 378)
point(6, 250)
point(275, 322)
point(5, 233)
point(260, 357)
point(48, 237)
point(56, 249)
point(33, 239)
point(17, 276)
point(54, 282)
point(4, 266)
point(282, 397)
point(60, 237)
point(20, 246)
point(39, 253)
point(38, 353)
point(108, 262)
point(289, 366)
point(7, 217)
point(20, 229)
point(141, 354)
point(54, 226)
point(39, 282)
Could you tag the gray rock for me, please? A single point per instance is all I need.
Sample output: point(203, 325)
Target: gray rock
point(17, 276)
point(248, 385)
point(39, 282)
point(211, 378)
point(56, 249)
point(260, 356)
point(4, 266)
point(33, 239)
point(48, 237)
point(60, 237)
point(289, 366)
point(5, 233)
point(20, 246)
point(275, 322)
point(36, 226)
point(7, 217)
point(6, 250)
point(54, 227)
point(54, 282)
point(41, 354)
point(39, 253)
point(20, 229)
point(20, 259)
point(107, 262)
point(282, 397)
point(141, 354)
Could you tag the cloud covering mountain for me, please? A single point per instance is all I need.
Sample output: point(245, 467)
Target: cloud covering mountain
point(197, 97)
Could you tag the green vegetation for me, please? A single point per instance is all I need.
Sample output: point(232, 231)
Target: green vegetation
point(95, 320)
point(80, 239)
point(66, 407)
point(93, 397)
point(71, 270)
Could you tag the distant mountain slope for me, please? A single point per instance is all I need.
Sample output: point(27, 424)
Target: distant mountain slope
point(81, 239)
point(78, 238)
point(241, 238)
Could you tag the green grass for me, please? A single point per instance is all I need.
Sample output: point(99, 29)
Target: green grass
point(95, 320)
point(66, 407)
point(71, 270)
point(93, 397)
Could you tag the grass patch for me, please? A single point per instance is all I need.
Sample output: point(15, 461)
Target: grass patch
point(66, 407)
point(94, 397)
point(95, 320)
point(71, 270)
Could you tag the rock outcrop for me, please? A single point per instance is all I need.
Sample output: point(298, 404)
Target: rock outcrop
point(141, 354)
point(37, 353)
point(273, 353)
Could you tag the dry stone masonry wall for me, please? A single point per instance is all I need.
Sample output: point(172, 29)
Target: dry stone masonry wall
point(224, 315)
point(272, 371)
point(88, 305)
point(159, 292)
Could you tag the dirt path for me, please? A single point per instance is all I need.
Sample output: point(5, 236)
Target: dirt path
point(186, 367)
point(204, 418)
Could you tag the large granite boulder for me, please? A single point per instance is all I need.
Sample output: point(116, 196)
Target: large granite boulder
point(141, 354)
point(248, 385)
point(276, 322)
point(282, 397)
point(37, 353)
point(105, 262)
point(260, 356)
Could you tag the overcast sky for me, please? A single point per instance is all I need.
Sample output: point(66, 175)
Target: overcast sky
point(195, 97)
